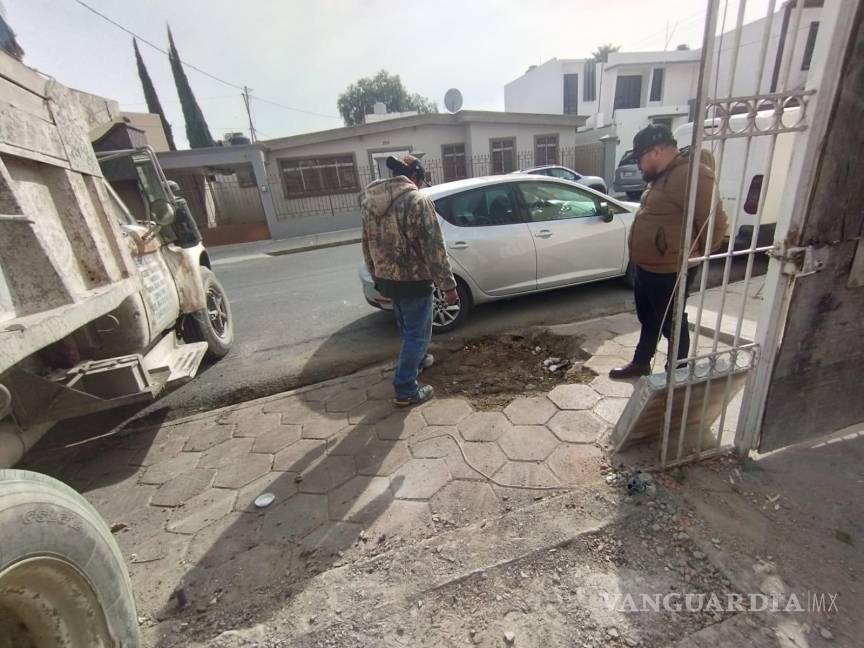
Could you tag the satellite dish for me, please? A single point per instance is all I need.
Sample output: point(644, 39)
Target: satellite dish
point(453, 100)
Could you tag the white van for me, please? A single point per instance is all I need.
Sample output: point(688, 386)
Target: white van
point(753, 169)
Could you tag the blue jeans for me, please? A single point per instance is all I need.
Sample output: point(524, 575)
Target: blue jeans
point(414, 318)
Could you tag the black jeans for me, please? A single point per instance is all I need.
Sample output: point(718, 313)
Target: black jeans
point(654, 292)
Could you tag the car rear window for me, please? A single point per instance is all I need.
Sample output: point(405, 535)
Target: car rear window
point(628, 158)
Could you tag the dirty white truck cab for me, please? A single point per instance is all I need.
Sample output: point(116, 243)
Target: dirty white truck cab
point(97, 310)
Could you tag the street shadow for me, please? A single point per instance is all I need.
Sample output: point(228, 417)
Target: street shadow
point(97, 450)
point(333, 503)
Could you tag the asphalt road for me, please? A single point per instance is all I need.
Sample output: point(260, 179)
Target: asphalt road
point(301, 318)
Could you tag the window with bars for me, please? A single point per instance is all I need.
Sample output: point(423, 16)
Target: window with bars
point(545, 150)
point(628, 91)
point(453, 161)
point(503, 154)
point(657, 84)
point(319, 176)
point(589, 91)
point(571, 94)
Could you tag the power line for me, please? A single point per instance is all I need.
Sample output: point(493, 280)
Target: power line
point(194, 67)
point(156, 47)
point(176, 101)
point(300, 110)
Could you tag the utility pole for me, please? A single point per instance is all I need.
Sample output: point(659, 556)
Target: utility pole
point(249, 114)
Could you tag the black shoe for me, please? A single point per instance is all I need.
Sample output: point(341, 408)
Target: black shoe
point(631, 370)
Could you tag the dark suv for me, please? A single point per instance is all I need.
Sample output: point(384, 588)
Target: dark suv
point(628, 178)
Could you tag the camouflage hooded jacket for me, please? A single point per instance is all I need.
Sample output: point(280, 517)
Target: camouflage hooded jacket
point(402, 240)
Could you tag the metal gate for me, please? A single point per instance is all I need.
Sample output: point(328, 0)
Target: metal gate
point(587, 159)
point(694, 406)
point(812, 385)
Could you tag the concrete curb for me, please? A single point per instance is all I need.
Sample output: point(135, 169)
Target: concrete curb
point(724, 337)
point(314, 246)
point(266, 399)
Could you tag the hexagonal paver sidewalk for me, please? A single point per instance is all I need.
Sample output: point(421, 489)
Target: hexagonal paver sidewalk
point(535, 410)
point(340, 466)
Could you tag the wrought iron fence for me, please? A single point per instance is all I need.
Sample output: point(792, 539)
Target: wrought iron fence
point(586, 159)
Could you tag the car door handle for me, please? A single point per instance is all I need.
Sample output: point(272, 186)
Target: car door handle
point(544, 233)
point(458, 245)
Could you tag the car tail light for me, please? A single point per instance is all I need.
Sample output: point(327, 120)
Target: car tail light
point(383, 300)
point(751, 205)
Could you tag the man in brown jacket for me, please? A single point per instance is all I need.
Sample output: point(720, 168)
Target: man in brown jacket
point(655, 239)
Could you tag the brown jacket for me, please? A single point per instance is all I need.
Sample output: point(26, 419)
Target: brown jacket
point(655, 237)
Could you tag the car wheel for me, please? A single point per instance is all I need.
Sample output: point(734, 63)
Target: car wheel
point(446, 318)
point(63, 580)
point(635, 196)
point(598, 187)
point(213, 324)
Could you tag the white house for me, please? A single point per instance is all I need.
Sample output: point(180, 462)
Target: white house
point(634, 89)
point(617, 98)
point(315, 179)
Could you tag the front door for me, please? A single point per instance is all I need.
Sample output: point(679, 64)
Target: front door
point(574, 243)
point(487, 237)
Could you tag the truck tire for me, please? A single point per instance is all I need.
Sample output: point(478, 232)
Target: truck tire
point(63, 581)
point(214, 324)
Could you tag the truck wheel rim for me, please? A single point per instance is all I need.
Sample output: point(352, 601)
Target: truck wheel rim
point(442, 314)
point(45, 602)
point(217, 311)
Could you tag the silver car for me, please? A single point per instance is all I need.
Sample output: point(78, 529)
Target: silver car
point(508, 236)
point(594, 182)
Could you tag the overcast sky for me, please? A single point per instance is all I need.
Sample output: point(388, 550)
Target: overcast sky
point(304, 53)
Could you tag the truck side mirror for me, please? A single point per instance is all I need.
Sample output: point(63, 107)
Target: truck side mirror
point(162, 211)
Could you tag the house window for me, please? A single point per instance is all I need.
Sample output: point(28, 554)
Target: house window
point(545, 150)
point(571, 94)
point(811, 43)
point(628, 91)
point(246, 178)
point(503, 153)
point(657, 84)
point(319, 176)
point(662, 121)
point(453, 159)
point(589, 92)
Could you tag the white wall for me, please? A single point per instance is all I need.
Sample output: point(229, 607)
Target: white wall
point(540, 90)
point(480, 135)
point(747, 70)
point(427, 139)
point(298, 216)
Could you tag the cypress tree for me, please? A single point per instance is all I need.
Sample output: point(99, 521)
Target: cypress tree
point(151, 97)
point(196, 127)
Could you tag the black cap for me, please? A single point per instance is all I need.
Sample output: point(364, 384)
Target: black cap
point(652, 136)
point(408, 166)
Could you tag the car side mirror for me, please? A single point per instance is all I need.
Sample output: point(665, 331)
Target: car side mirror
point(605, 212)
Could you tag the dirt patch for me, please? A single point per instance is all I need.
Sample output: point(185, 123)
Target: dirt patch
point(491, 371)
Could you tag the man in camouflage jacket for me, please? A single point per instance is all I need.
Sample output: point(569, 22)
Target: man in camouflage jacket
point(404, 252)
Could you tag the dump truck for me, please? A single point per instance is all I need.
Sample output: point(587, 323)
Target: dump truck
point(98, 309)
